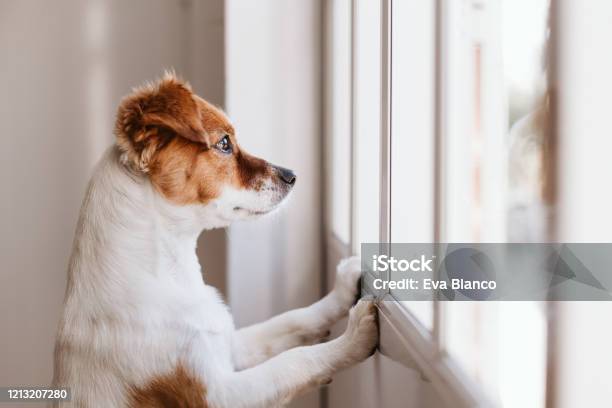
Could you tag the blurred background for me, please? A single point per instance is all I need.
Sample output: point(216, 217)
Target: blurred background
point(405, 120)
point(65, 67)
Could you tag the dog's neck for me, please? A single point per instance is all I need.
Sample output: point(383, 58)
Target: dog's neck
point(128, 232)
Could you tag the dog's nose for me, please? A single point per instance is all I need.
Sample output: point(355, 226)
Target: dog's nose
point(288, 176)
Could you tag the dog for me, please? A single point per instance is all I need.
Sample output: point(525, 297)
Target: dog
point(140, 328)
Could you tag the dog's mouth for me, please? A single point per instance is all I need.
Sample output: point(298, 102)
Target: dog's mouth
point(266, 200)
point(252, 212)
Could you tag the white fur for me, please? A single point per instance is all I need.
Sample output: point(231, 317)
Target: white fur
point(136, 305)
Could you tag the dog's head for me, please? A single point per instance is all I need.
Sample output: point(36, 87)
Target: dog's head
point(188, 150)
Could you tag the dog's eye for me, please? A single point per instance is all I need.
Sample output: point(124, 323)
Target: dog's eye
point(224, 144)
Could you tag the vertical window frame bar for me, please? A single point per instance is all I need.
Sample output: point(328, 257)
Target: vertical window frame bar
point(438, 152)
point(552, 308)
point(385, 122)
point(353, 180)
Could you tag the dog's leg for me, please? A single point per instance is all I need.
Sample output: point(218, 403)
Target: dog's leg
point(278, 380)
point(255, 344)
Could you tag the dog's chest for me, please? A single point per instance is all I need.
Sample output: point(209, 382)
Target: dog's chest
point(206, 329)
point(192, 327)
point(210, 313)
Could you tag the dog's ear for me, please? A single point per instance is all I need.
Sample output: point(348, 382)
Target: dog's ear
point(152, 115)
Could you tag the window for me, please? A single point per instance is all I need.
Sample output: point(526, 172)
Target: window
point(495, 87)
point(412, 130)
point(442, 144)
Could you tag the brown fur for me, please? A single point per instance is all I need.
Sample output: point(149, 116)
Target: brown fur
point(178, 389)
point(169, 133)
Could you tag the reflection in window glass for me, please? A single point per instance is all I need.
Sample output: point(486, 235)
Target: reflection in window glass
point(495, 183)
point(525, 60)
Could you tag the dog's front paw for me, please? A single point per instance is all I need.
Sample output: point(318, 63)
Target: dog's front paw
point(346, 288)
point(361, 334)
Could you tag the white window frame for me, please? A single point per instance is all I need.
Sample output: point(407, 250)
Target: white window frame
point(402, 337)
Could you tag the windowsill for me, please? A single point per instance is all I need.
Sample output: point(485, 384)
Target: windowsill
point(404, 340)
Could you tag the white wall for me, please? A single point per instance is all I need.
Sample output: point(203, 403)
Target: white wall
point(584, 332)
point(273, 96)
point(65, 65)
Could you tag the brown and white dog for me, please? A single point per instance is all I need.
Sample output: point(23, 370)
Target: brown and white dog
point(140, 328)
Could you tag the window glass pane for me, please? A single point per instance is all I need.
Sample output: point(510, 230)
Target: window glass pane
point(367, 106)
point(341, 119)
point(412, 130)
point(495, 120)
